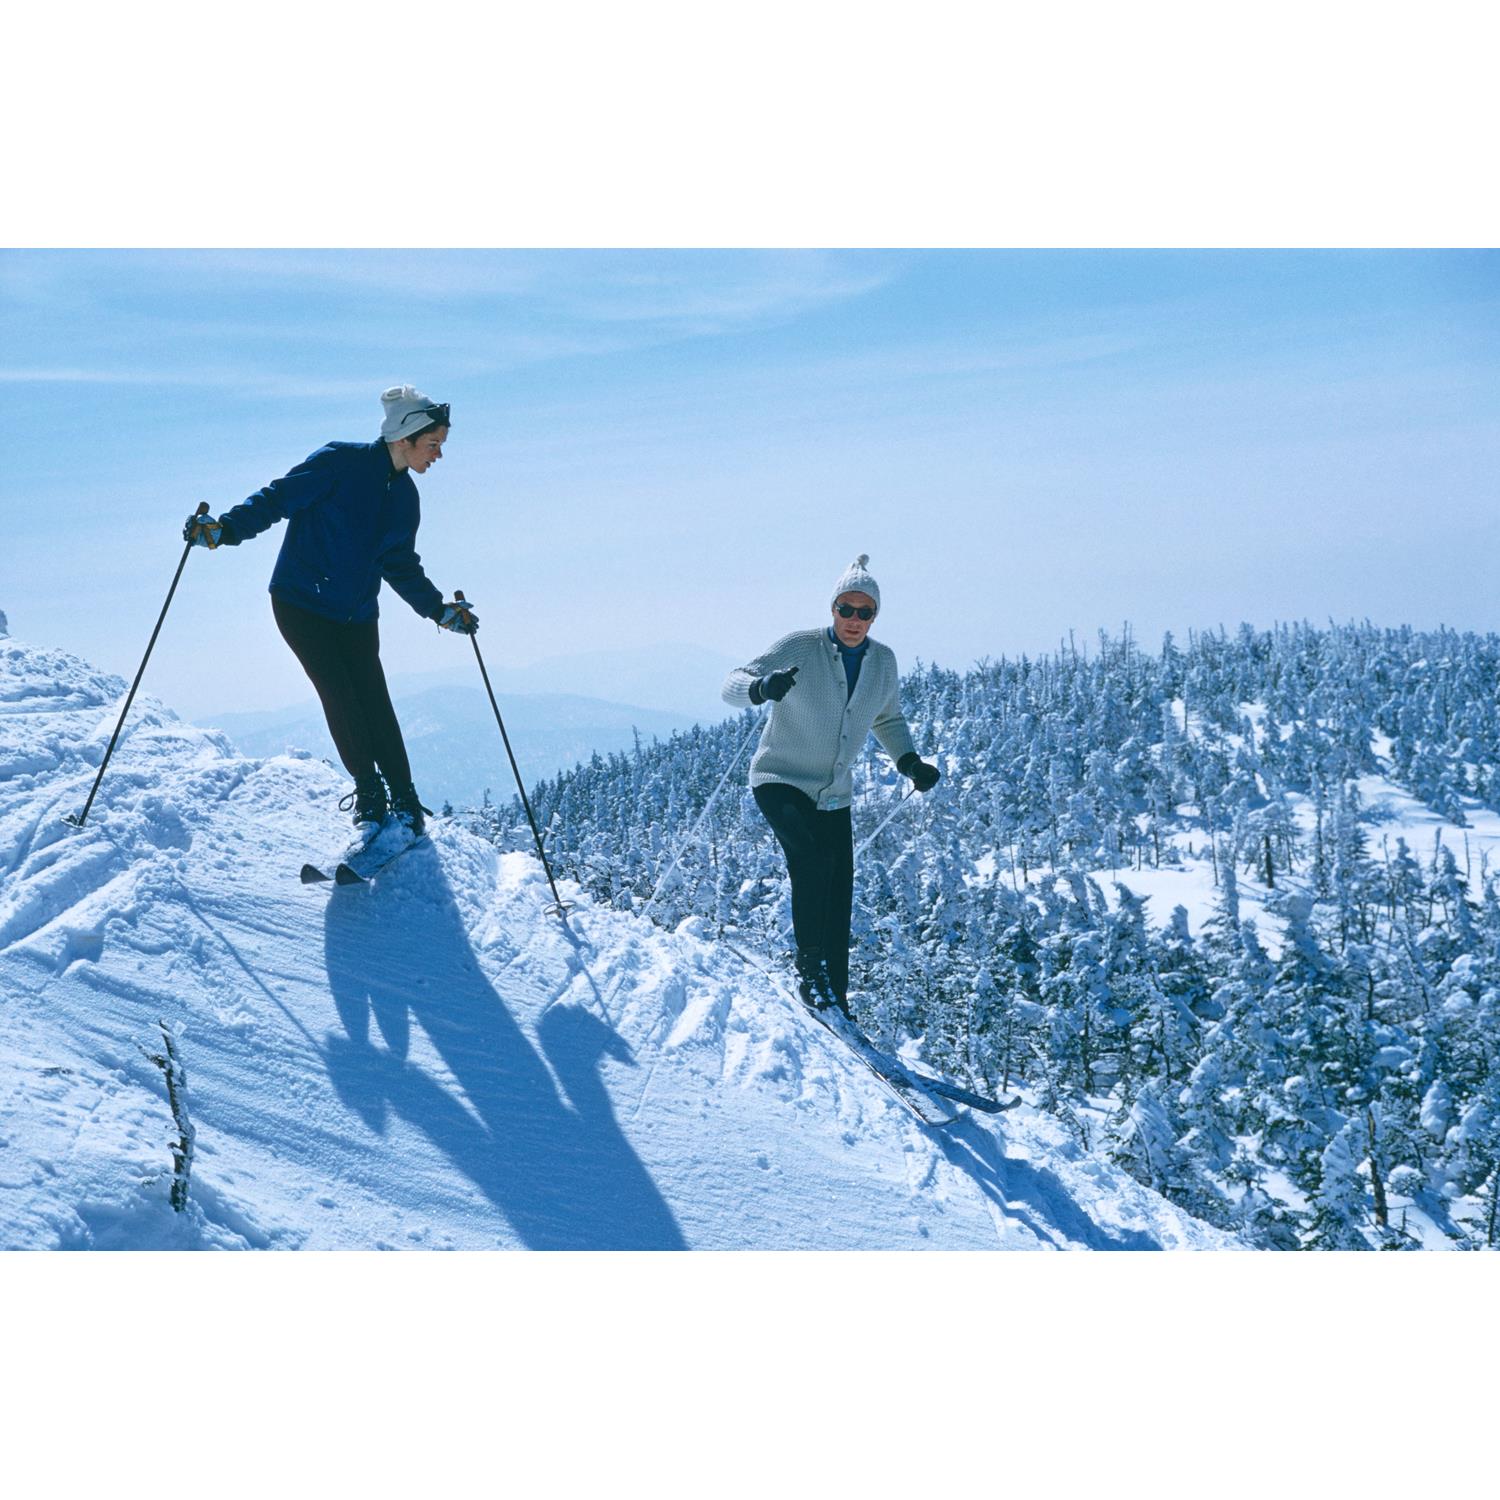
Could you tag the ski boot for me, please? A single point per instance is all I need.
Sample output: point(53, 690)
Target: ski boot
point(368, 799)
point(840, 1003)
point(812, 981)
point(409, 811)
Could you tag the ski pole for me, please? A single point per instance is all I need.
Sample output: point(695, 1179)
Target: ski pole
point(901, 802)
point(77, 820)
point(560, 906)
point(683, 847)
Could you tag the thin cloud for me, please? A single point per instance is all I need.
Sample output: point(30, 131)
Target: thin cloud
point(250, 383)
point(693, 292)
point(402, 275)
point(710, 288)
point(769, 288)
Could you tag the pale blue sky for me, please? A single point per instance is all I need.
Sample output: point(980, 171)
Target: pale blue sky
point(669, 446)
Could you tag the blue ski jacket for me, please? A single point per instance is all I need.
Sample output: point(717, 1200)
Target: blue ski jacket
point(352, 520)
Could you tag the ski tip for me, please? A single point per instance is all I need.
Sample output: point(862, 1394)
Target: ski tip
point(346, 876)
point(311, 875)
point(994, 1106)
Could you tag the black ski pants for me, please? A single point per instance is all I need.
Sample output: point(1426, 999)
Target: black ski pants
point(819, 849)
point(343, 661)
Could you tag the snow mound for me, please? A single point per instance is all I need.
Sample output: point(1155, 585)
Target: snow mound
point(431, 1061)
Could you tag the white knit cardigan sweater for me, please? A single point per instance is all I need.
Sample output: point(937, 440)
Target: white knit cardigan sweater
point(816, 733)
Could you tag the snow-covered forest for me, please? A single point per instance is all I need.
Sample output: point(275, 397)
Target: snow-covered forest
point(1226, 906)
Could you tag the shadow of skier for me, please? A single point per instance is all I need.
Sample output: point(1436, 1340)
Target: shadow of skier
point(561, 1171)
point(1033, 1196)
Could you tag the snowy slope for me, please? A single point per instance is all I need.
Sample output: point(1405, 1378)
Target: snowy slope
point(432, 1062)
point(1391, 812)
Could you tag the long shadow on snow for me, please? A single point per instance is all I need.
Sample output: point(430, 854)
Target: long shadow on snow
point(560, 1171)
point(1034, 1196)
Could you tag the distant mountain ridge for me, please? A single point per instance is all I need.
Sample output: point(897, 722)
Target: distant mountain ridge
point(558, 713)
point(677, 678)
point(456, 751)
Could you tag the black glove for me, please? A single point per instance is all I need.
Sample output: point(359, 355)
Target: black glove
point(204, 531)
point(923, 776)
point(774, 686)
point(459, 617)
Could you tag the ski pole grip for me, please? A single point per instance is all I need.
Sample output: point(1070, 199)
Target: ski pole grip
point(458, 595)
point(202, 508)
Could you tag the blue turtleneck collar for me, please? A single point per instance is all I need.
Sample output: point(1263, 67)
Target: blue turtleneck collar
point(852, 658)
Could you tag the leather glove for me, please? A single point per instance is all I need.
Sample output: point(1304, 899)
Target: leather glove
point(924, 776)
point(774, 686)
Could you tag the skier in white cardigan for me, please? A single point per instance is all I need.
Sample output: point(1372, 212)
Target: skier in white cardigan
point(828, 689)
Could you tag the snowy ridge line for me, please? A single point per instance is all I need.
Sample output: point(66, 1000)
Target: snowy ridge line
point(415, 1064)
point(54, 870)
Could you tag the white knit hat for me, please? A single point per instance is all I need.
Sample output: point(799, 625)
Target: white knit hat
point(857, 580)
point(407, 411)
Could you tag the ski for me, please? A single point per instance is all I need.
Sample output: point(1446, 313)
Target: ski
point(963, 1095)
point(924, 1081)
point(910, 1093)
point(889, 1069)
point(899, 1084)
point(894, 1069)
point(360, 869)
point(360, 862)
point(326, 875)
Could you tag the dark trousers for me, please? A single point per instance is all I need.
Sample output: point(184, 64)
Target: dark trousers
point(819, 849)
point(343, 661)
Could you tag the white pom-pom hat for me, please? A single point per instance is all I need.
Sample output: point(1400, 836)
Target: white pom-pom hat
point(407, 411)
point(857, 579)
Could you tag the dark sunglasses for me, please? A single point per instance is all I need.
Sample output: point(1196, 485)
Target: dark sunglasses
point(438, 413)
point(848, 611)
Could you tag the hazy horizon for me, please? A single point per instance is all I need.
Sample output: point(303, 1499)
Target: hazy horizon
point(674, 447)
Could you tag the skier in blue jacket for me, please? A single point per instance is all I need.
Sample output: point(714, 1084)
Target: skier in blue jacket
point(352, 515)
